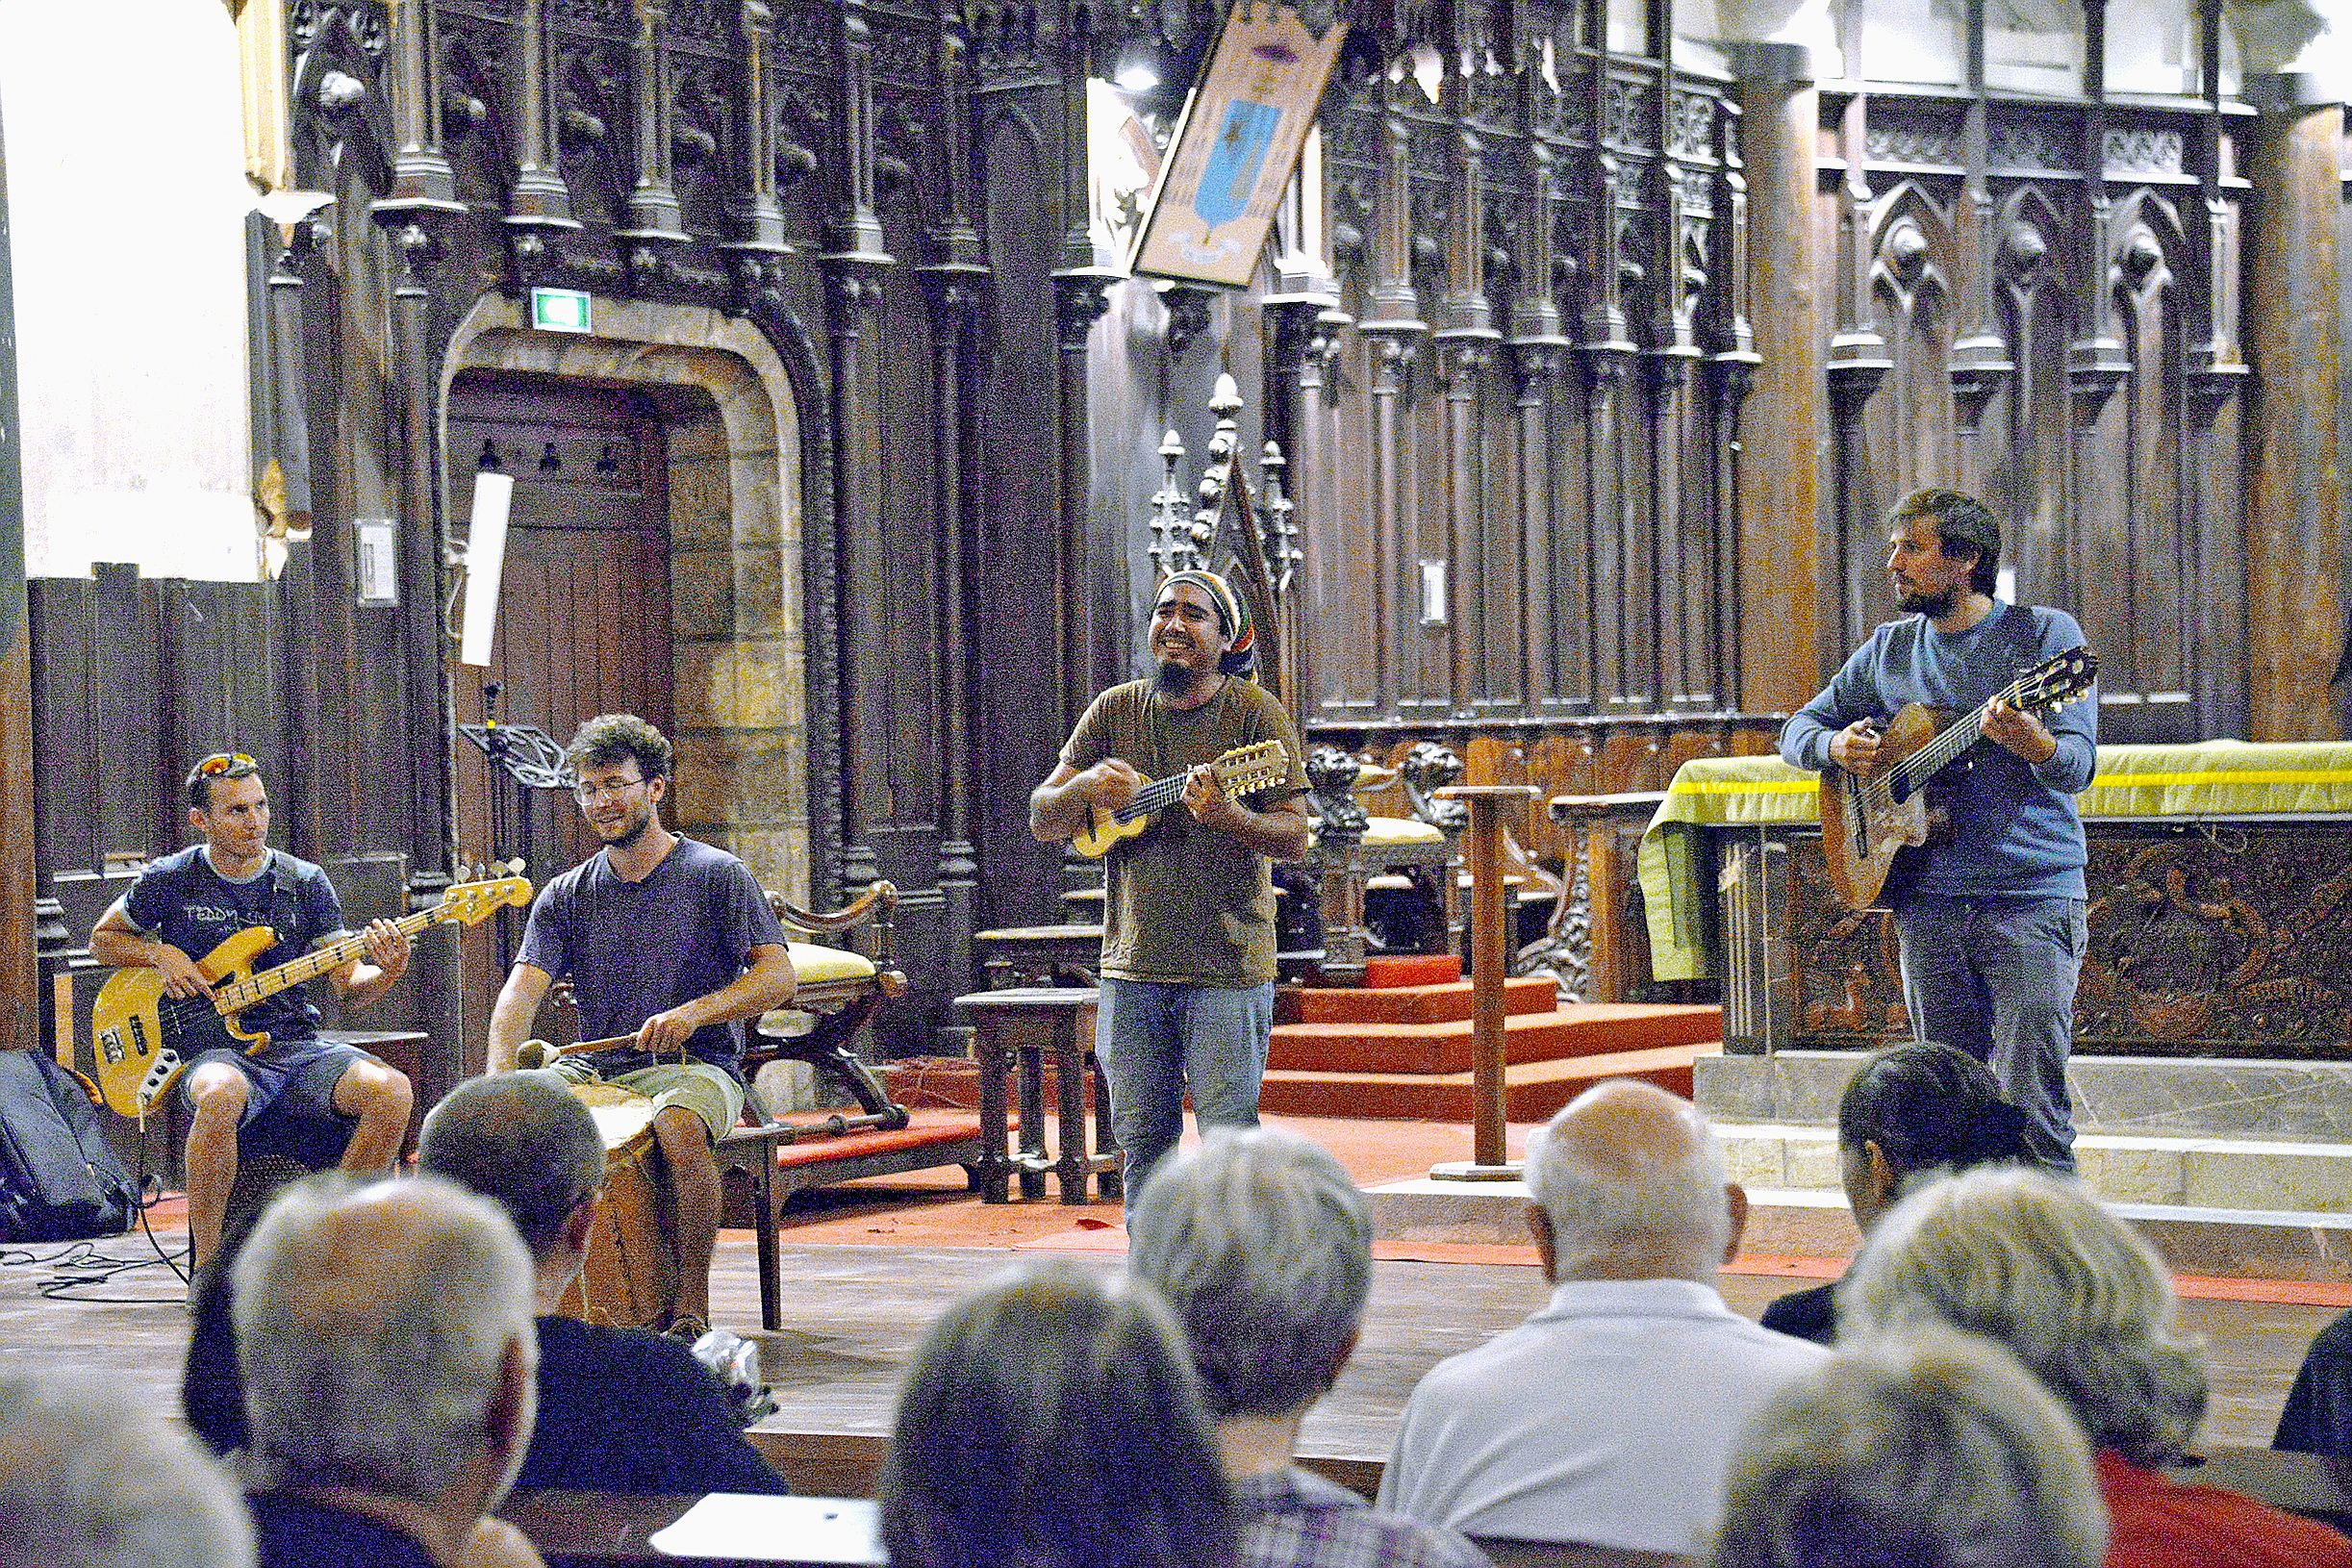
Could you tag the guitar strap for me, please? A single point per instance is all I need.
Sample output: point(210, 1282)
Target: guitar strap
point(2008, 647)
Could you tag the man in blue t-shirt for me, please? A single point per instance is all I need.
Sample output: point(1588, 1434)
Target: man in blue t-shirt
point(1988, 916)
point(666, 943)
point(183, 907)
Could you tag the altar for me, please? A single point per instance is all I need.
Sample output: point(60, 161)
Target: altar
point(2219, 876)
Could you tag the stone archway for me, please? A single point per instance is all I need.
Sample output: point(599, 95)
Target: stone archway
point(731, 430)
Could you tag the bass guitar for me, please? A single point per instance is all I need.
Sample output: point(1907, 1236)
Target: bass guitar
point(1865, 820)
point(1257, 766)
point(144, 1037)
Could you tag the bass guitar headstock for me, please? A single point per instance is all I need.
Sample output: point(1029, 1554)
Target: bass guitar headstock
point(473, 903)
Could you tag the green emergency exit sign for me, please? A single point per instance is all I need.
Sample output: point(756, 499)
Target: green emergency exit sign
point(560, 310)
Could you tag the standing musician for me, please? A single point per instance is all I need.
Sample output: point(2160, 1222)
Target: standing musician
point(1989, 920)
point(664, 939)
point(1188, 935)
point(184, 905)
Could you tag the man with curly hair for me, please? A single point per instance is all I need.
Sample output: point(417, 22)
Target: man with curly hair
point(669, 943)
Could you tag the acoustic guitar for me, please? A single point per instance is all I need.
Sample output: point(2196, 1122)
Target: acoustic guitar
point(1257, 766)
point(1865, 820)
point(145, 1037)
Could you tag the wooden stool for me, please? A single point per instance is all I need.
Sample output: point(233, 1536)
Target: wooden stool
point(1013, 1030)
point(1015, 955)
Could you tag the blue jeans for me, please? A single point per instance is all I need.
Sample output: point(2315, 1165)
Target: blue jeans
point(1155, 1040)
point(1995, 978)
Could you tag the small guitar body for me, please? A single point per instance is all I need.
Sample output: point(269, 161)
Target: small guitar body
point(1865, 820)
point(145, 1038)
point(1257, 766)
point(1860, 827)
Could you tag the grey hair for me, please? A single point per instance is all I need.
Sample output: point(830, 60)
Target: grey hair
point(522, 1140)
point(370, 1372)
point(89, 1478)
point(1929, 1448)
point(2070, 1289)
point(1263, 1246)
point(1670, 1203)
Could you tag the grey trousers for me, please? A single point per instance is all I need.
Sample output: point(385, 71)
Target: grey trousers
point(1995, 978)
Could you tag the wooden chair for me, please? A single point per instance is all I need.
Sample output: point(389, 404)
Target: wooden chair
point(777, 1157)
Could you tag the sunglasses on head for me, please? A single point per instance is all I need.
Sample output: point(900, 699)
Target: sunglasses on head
point(220, 762)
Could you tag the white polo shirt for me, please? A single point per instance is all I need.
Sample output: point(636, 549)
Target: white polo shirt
point(1608, 1418)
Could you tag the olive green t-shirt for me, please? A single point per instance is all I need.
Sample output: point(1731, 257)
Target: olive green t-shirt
point(1186, 904)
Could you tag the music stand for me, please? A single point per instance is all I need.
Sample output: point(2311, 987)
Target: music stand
point(531, 760)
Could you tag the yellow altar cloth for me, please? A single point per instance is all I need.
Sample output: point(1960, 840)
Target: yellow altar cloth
point(2211, 778)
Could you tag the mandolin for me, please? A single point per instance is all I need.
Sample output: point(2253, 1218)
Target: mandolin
point(1257, 766)
point(1865, 820)
point(145, 1038)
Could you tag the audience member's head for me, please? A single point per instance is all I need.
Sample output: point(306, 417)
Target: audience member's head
point(387, 1345)
point(91, 1479)
point(1053, 1421)
point(1264, 1248)
point(1918, 1111)
point(526, 1142)
point(2071, 1290)
point(1929, 1448)
point(1628, 1183)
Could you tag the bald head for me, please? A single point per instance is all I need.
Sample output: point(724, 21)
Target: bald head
point(1628, 1183)
point(381, 1329)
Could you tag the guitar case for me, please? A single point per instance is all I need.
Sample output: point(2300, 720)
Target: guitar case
point(59, 1180)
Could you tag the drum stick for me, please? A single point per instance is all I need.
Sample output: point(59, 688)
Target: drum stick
point(535, 1053)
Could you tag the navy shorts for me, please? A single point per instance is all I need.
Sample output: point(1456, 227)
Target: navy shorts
point(295, 1078)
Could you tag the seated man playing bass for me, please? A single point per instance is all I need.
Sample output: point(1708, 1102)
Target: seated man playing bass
point(185, 906)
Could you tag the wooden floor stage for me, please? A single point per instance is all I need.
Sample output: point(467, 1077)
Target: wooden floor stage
point(853, 1311)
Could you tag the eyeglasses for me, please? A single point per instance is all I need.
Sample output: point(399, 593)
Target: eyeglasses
point(587, 794)
point(222, 762)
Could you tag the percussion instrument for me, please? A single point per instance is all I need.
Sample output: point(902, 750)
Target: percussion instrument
point(631, 1277)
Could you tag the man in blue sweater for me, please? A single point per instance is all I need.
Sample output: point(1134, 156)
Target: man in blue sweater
point(1988, 915)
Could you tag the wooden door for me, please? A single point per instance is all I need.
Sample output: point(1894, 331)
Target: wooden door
point(583, 624)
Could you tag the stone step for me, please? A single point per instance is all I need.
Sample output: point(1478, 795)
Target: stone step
point(2201, 1173)
point(1531, 1091)
point(1577, 1029)
point(1444, 1003)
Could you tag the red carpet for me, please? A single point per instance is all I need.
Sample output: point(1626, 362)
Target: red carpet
point(1398, 1047)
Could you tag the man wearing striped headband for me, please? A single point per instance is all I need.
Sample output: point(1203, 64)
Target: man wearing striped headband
point(1188, 937)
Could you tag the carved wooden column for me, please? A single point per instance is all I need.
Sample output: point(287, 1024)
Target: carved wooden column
point(1731, 364)
point(1465, 344)
point(1685, 601)
point(1781, 424)
point(1090, 650)
point(420, 172)
point(758, 214)
point(1538, 351)
point(540, 199)
point(19, 964)
point(955, 279)
point(653, 217)
point(1980, 365)
point(434, 973)
point(854, 295)
point(2097, 363)
point(1856, 363)
point(1392, 331)
point(1306, 327)
point(2295, 337)
point(1604, 354)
